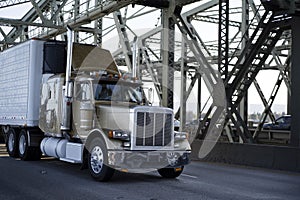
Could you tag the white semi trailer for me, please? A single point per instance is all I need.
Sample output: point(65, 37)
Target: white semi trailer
point(75, 106)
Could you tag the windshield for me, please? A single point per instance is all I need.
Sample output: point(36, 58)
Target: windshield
point(113, 92)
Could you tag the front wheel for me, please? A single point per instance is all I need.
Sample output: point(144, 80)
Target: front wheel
point(98, 161)
point(170, 172)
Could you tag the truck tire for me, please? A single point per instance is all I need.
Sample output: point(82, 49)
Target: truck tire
point(25, 151)
point(12, 143)
point(97, 161)
point(170, 172)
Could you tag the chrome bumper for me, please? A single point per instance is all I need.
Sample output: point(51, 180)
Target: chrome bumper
point(147, 160)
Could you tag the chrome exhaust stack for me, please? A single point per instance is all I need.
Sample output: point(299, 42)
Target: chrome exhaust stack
point(68, 87)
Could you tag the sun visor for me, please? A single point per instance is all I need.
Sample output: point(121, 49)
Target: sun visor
point(92, 58)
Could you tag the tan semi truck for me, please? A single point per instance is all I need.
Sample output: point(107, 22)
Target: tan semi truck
point(74, 105)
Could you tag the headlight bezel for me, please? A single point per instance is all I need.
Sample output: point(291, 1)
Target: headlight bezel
point(179, 136)
point(122, 135)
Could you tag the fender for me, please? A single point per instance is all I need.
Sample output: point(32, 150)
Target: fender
point(35, 136)
point(93, 134)
point(110, 144)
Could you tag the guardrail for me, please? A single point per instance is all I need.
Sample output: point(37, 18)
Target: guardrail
point(281, 136)
point(270, 136)
point(275, 137)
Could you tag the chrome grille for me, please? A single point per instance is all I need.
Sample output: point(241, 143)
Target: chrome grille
point(153, 129)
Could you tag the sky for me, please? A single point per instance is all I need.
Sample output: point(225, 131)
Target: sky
point(207, 32)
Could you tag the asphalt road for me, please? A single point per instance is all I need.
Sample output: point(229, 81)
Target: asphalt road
point(53, 179)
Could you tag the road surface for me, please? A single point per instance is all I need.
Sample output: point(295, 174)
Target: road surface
point(53, 179)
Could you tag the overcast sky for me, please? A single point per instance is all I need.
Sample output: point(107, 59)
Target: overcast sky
point(207, 32)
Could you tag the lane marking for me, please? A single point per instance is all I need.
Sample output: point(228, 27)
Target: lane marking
point(190, 176)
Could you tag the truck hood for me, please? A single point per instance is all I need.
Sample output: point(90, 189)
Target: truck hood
point(113, 117)
point(122, 115)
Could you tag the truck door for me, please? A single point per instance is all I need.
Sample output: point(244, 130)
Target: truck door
point(50, 109)
point(83, 107)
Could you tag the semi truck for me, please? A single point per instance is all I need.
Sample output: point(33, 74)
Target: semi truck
point(70, 101)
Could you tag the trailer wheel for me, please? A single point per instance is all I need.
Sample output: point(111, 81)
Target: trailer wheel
point(25, 151)
point(170, 172)
point(97, 161)
point(12, 143)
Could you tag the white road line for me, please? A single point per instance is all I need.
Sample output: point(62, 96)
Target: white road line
point(190, 176)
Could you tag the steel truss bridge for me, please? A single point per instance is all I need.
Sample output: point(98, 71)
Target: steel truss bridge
point(219, 44)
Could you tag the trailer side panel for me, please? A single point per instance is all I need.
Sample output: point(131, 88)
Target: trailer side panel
point(20, 82)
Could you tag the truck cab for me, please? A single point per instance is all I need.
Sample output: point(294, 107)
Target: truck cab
point(111, 125)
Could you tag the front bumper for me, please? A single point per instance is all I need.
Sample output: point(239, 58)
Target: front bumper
point(147, 159)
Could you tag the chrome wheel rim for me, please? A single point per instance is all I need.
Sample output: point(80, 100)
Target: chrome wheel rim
point(97, 159)
point(11, 142)
point(22, 144)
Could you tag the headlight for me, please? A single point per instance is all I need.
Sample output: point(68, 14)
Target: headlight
point(119, 134)
point(181, 135)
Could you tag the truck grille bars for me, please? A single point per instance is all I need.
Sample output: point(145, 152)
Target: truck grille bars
point(153, 129)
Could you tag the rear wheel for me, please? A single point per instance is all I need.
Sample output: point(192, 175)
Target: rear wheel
point(170, 172)
point(25, 151)
point(12, 143)
point(98, 161)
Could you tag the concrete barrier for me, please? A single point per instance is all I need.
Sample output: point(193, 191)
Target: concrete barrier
point(265, 156)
